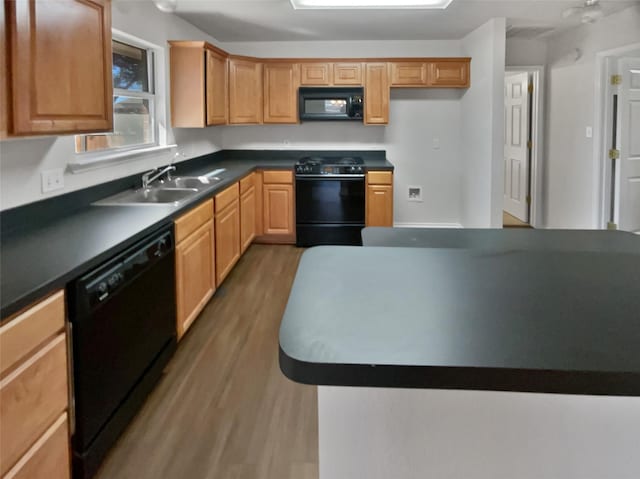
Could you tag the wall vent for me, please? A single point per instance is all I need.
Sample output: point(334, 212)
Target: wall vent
point(527, 32)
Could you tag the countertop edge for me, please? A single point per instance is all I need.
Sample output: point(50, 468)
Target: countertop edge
point(460, 378)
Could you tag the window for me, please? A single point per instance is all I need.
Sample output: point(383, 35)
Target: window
point(134, 99)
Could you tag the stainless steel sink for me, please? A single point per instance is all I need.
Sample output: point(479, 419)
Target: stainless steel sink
point(150, 196)
point(197, 182)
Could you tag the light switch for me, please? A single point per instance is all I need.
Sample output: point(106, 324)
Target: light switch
point(436, 143)
point(589, 132)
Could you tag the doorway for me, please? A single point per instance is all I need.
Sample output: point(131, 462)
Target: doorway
point(522, 146)
point(621, 141)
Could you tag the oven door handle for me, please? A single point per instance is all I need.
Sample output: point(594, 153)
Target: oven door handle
point(330, 177)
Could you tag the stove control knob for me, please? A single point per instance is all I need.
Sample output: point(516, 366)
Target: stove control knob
point(114, 280)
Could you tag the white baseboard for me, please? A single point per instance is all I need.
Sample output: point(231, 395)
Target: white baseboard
point(427, 225)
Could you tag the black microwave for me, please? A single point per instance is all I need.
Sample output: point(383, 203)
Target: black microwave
point(331, 103)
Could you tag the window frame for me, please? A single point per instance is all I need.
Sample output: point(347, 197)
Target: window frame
point(157, 111)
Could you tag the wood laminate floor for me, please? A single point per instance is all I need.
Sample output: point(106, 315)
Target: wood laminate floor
point(223, 409)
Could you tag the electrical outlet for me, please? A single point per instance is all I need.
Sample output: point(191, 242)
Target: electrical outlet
point(435, 144)
point(52, 180)
point(286, 142)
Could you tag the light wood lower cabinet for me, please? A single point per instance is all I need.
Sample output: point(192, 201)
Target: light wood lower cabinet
point(48, 457)
point(195, 262)
point(278, 215)
point(379, 199)
point(227, 231)
point(247, 212)
point(34, 393)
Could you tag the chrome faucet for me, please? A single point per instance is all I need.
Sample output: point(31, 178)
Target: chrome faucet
point(150, 176)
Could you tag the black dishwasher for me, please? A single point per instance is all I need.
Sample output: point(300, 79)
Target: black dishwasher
point(123, 326)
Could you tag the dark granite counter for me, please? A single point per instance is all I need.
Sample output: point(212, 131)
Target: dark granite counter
point(46, 244)
point(531, 321)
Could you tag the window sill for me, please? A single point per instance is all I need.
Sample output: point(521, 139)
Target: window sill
point(84, 162)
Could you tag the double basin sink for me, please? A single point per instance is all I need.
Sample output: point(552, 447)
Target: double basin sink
point(170, 191)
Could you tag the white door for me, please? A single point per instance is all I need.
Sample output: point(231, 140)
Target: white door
point(516, 150)
point(628, 180)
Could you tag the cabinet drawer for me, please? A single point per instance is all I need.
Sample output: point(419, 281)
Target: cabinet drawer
point(31, 398)
point(191, 221)
point(282, 177)
point(48, 457)
point(380, 178)
point(20, 337)
point(247, 182)
point(226, 197)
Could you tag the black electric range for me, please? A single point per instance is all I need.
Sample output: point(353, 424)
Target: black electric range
point(330, 200)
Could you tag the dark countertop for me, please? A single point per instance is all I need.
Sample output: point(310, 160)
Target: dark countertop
point(47, 244)
point(507, 239)
point(531, 321)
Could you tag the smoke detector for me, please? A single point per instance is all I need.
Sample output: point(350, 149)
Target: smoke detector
point(589, 12)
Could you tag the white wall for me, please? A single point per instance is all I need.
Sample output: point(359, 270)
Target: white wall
point(572, 193)
point(482, 131)
point(22, 160)
point(525, 52)
point(416, 118)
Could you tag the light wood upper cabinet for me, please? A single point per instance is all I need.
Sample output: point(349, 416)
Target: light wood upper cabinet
point(449, 73)
point(59, 67)
point(316, 74)
point(217, 86)
point(198, 85)
point(408, 74)
point(245, 91)
point(195, 262)
point(227, 231)
point(376, 94)
point(347, 73)
point(247, 211)
point(281, 92)
point(379, 199)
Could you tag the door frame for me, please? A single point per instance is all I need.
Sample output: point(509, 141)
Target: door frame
point(606, 62)
point(537, 73)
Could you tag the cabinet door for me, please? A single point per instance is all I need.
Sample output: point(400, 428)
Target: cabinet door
point(316, 73)
point(408, 73)
point(60, 66)
point(376, 94)
point(245, 92)
point(281, 92)
point(379, 205)
point(195, 281)
point(450, 74)
point(227, 240)
point(217, 89)
point(278, 210)
point(347, 73)
point(48, 457)
point(247, 218)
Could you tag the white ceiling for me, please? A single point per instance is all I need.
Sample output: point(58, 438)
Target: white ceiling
point(276, 20)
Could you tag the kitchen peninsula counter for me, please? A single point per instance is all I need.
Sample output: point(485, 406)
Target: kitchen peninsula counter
point(449, 350)
point(530, 321)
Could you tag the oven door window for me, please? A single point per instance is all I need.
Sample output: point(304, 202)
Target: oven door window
point(335, 201)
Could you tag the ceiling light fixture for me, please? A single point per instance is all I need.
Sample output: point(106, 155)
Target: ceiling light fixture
point(369, 4)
